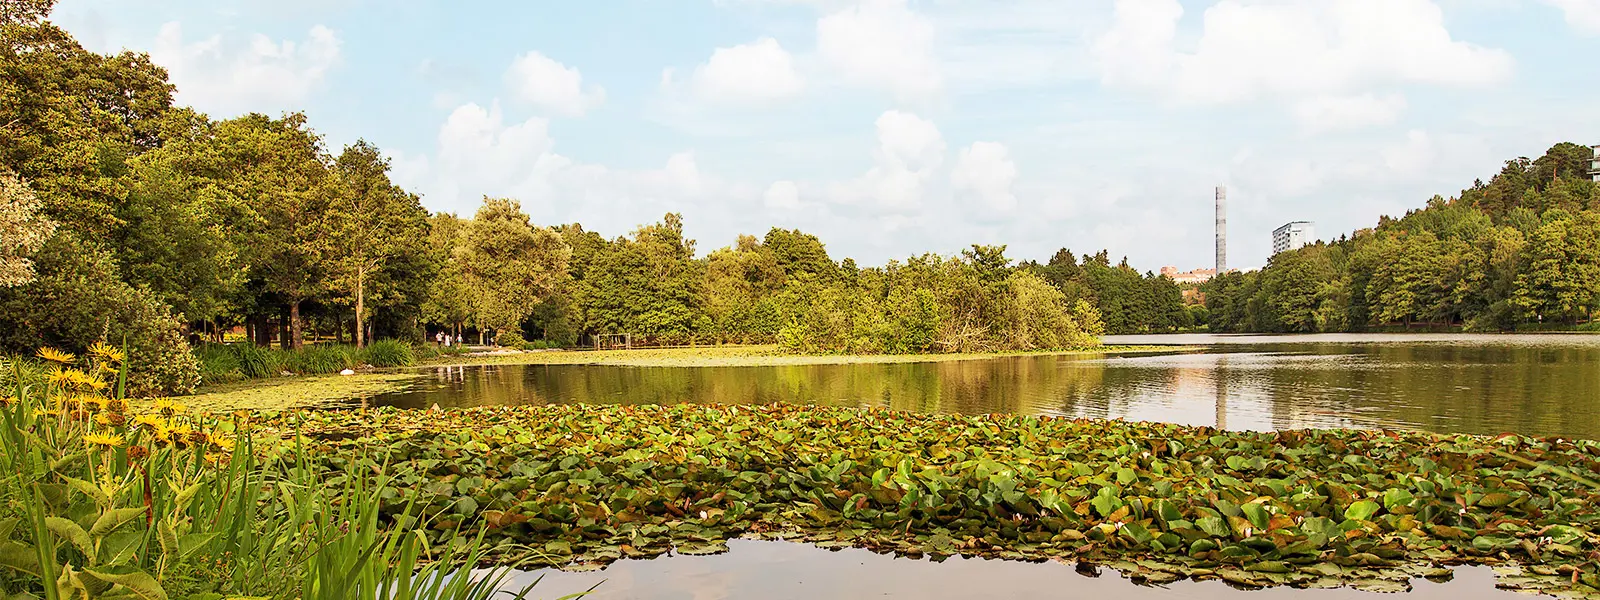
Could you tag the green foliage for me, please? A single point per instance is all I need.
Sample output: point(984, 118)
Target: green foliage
point(1160, 502)
point(318, 359)
point(22, 230)
point(1518, 252)
point(388, 353)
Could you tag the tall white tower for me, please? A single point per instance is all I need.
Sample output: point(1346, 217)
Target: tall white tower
point(1222, 230)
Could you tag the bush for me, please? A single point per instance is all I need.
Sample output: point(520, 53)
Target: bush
point(79, 298)
point(388, 353)
point(510, 339)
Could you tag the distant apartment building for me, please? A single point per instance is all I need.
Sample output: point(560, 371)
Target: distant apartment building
point(1293, 235)
point(1195, 276)
point(1594, 165)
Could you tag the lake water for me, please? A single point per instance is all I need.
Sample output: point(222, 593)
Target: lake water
point(1484, 384)
point(1532, 384)
point(763, 570)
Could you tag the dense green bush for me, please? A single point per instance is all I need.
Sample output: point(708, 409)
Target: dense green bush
point(510, 339)
point(219, 363)
point(388, 353)
point(78, 299)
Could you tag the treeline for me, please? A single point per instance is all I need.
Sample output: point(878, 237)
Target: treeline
point(128, 218)
point(1521, 251)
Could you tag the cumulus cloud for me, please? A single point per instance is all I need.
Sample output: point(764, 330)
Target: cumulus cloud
point(480, 153)
point(782, 195)
point(1295, 49)
point(881, 43)
point(984, 172)
point(909, 153)
point(549, 85)
point(756, 72)
point(1583, 15)
point(228, 77)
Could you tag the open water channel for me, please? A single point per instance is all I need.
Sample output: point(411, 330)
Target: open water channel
point(1546, 385)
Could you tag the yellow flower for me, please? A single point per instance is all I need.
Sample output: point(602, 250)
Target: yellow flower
point(151, 421)
point(61, 377)
point(106, 352)
point(168, 408)
point(98, 385)
point(56, 356)
point(222, 442)
point(8, 400)
point(103, 441)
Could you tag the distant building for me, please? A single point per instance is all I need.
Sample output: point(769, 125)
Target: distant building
point(1195, 276)
point(1293, 235)
point(1594, 165)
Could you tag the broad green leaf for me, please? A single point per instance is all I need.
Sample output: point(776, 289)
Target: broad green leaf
point(110, 520)
point(139, 582)
point(1362, 510)
point(72, 533)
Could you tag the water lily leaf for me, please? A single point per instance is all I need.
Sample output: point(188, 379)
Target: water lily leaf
point(1257, 515)
point(1214, 526)
point(1496, 500)
point(1361, 510)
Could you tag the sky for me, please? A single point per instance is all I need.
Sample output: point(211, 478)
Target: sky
point(890, 128)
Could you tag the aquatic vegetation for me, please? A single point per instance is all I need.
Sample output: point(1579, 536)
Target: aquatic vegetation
point(580, 486)
point(106, 498)
point(387, 353)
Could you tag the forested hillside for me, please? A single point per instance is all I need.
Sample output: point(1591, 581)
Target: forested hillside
point(1522, 250)
point(129, 218)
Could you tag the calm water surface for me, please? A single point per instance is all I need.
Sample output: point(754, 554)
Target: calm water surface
point(1533, 384)
point(1485, 384)
point(761, 570)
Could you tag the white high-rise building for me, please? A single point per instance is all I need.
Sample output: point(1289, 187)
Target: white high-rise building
point(1296, 234)
point(1594, 165)
point(1222, 230)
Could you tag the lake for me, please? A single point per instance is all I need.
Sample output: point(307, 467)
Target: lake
point(1546, 385)
point(1484, 384)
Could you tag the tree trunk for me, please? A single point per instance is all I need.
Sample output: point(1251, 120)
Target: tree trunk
point(361, 276)
point(261, 330)
point(284, 341)
point(297, 340)
point(338, 327)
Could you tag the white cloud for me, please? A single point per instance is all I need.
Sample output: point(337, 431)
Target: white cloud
point(1292, 48)
point(549, 85)
point(756, 72)
point(1583, 15)
point(881, 43)
point(227, 78)
point(984, 172)
point(782, 195)
point(1329, 113)
point(910, 149)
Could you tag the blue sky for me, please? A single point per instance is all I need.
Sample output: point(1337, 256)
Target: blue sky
point(895, 127)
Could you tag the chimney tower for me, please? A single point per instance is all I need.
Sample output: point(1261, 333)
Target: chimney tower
point(1222, 230)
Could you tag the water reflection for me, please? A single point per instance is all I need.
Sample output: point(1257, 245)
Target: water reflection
point(778, 570)
point(1540, 385)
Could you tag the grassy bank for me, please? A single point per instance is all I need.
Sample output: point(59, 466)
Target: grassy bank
point(581, 486)
point(757, 356)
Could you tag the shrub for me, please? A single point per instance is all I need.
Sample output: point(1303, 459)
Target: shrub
point(388, 353)
point(510, 339)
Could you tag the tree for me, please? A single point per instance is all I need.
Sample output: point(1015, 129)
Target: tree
point(449, 299)
point(22, 231)
point(371, 222)
point(509, 266)
point(278, 178)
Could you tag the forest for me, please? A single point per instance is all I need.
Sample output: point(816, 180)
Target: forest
point(1519, 252)
point(127, 217)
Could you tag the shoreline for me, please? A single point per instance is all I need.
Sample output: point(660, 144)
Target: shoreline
point(760, 356)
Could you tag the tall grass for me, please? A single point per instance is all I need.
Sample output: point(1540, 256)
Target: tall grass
point(223, 363)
